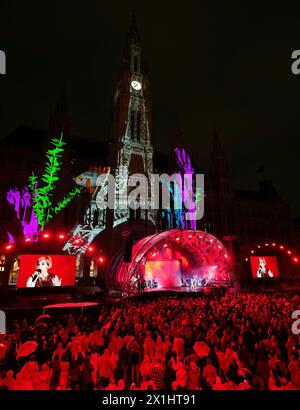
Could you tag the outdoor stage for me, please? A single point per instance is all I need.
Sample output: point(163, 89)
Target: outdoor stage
point(175, 258)
point(176, 292)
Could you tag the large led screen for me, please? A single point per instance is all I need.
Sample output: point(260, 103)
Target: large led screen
point(166, 273)
point(41, 271)
point(264, 267)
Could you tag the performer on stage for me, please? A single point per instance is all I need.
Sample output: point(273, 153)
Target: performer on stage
point(263, 271)
point(193, 282)
point(41, 277)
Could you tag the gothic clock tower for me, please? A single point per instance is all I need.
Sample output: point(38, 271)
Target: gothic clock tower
point(130, 149)
point(130, 145)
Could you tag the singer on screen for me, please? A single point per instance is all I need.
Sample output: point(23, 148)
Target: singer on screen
point(263, 271)
point(41, 277)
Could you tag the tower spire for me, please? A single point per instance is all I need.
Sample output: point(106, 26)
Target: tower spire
point(133, 35)
point(131, 146)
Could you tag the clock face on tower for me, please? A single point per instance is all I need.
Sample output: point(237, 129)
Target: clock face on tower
point(136, 85)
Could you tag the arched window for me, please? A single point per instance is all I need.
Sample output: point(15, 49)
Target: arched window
point(132, 125)
point(93, 269)
point(135, 64)
point(138, 126)
point(2, 263)
point(78, 266)
point(131, 214)
point(96, 217)
point(14, 271)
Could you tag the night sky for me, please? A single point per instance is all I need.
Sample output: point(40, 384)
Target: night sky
point(225, 65)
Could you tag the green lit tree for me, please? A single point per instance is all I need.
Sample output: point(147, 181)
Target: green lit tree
point(42, 194)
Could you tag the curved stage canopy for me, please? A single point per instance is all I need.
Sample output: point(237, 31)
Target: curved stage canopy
point(174, 257)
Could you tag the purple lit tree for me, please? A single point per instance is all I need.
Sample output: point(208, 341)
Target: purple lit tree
point(184, 162)
point(21, 201)
point(34, 205)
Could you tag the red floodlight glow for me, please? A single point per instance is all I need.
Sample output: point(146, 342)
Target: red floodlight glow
point(289, 252)
point(258, 246)
point(91, 249)
point(273, 244)
point(101, 259)
point(8, 247)
point(281, 247)
point(252, 251)
point(77, 241)
point(46, 235)
point(61, 236)
point(296, 260)
point(266, 244)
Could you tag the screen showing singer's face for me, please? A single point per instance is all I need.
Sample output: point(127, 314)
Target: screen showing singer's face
point(46, 271)
point(264, 267)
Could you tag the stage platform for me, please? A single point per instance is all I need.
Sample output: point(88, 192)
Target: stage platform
point(70, 306)
point(179, 291)
point(183, 289)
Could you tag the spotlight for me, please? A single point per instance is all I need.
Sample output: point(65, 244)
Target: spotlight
point(281, 247)
point(61, 236)
point(296, 260)
point(91, 249)
point(27, 240)
point(77, 241)
point(165, 245)
point(289, 252)
point(258, 246)
point(46, 235)
point(101, 259)
point(246, 259)
point(252, 251)
point(190, 236)
point(273, 244)
point(266, 244)
point(9, 247)
point(225, 256)
point(177, 239)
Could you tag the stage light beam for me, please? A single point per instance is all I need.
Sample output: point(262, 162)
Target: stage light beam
point(8, 247)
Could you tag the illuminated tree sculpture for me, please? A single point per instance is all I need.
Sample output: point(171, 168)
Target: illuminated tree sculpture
point(184, 162)
point(21, 201)
point(42, 204)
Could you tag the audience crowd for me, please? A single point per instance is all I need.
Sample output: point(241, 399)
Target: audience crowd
point(237, 341)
